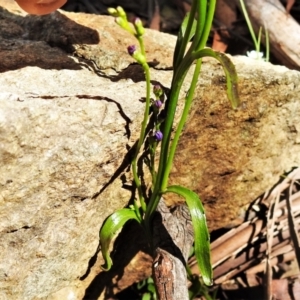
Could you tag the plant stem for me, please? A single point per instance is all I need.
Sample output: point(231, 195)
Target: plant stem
point(201, 10)
point(186, 36)
point(208, 24)
point(200, 44)
point(187, 106)
point(166, 129)
point(249, 23)
point(142, 46)
point(165, 163)
point(267, 44)
point(142, 133)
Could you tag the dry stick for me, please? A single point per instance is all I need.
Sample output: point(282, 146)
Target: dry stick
point(281, 249)
point(233, 236)
point(269, 236)
point(224, 248)
point(287, 255)
point(235, 265)
point(237, 239)
point(249, 263)
point(281, 187)
point(219, 249)
point(281, 211)
point(289, 4)
point(292, 223)
point(172, 240)
point(229, 234)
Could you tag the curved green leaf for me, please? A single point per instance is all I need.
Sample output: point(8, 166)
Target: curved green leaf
point(202, 243)
point(110, 227)
point(229, 69)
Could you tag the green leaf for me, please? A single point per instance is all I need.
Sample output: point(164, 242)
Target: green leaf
point(146, 296)
point(110, 227)
point(151, 288)
point(229, 69)
point(182, 41)
point(184, 26)
point(202, 243)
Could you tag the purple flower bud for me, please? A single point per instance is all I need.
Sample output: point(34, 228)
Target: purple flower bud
point(131, 49)
point(140, 30)
point(157, 90)
point(158, 135)
point(157, 103)
point(137, 21)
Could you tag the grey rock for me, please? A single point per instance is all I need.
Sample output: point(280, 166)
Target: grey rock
point(69, 111)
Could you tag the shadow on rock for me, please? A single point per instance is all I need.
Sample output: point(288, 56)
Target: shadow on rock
point(41, 41)
point(130, 243)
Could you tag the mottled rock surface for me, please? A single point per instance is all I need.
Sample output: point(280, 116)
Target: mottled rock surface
point(69, 111)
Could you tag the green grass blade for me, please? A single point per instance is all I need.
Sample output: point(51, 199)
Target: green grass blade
point(202, 243)
point(230, 73)
point(185, 34)
point(110, 227)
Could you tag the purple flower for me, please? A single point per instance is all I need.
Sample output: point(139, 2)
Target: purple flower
point(158, 135)
point(131, 49)
point(157, 103)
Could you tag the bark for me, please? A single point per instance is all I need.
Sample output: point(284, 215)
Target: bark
point(172, 238)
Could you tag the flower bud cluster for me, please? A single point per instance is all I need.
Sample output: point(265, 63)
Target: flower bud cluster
point(159, 97)
point(121, 19)
point(137, 29)
point(157, 106)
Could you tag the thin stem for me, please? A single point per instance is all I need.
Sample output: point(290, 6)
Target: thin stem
point(153, 147)
point(142, 136)
point(142, 46)
point(163, 155)
point(186, 36)
point(137, 210)
point(167, 128)
point(152, 162)
point(248, 23)
point(208, 24)
point(201, 20)
point(200, 27)
point(201, 43)
point(171, 104)
point(257, 48)
point(187, 106)
point(138, 184)
point(165, 161)
point(267, 45)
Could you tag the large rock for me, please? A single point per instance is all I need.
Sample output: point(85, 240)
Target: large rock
point(69, 111)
